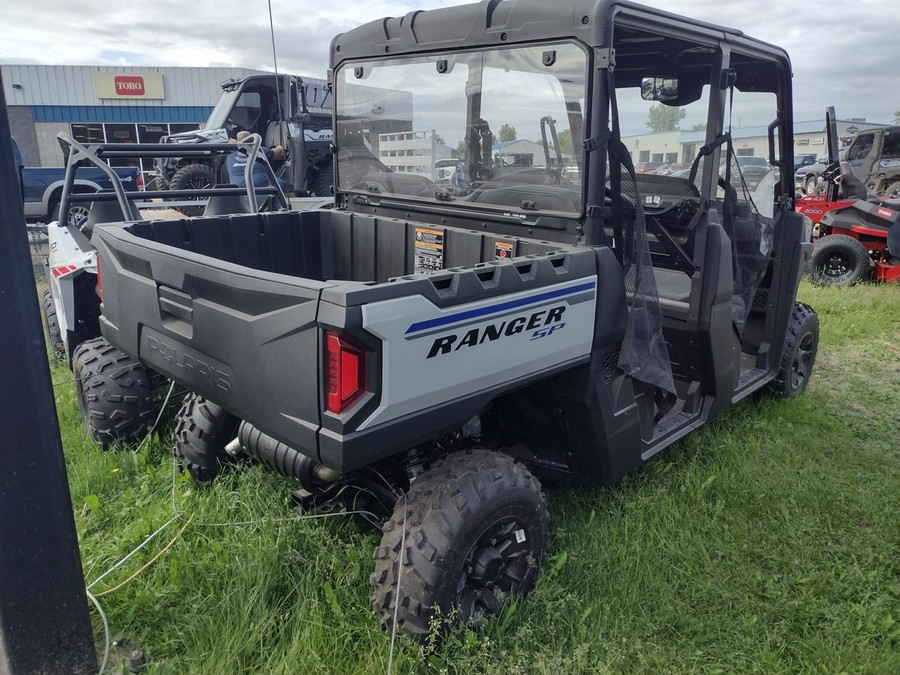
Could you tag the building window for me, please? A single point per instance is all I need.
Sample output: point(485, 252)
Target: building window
point(644, 156)
point(861, 147)
point(88, 133)
point(129, 133)
point(744, 152)
point(891, 149)
point(151, 133)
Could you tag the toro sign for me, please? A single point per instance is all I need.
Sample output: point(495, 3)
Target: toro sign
point(129, 85)
point(145, 85)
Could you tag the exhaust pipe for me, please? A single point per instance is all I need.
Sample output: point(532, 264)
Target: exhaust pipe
point(282, 458)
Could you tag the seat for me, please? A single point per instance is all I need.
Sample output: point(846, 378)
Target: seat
point(276, 134)
point(893, 241)
point(672, 285)
point(220, 205)
point(108, 212)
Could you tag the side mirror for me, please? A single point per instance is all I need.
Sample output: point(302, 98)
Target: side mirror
point(664, 90)
point(301, 118)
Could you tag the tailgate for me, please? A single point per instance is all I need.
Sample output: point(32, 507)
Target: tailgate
point(244, 338)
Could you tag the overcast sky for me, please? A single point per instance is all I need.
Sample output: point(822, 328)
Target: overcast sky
point(843, 54)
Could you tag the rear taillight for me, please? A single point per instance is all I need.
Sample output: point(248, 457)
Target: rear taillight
point(99, 282)
point(345, 372)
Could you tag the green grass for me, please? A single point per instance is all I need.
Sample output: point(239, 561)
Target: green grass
point(766, 542)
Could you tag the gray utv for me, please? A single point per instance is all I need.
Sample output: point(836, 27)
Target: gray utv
point(425, 351)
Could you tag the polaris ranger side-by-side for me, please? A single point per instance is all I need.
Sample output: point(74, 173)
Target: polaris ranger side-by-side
point(434, 350)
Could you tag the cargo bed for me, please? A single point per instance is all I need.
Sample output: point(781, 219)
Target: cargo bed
point(236, 308)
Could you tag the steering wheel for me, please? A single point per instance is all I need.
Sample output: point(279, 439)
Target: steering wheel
point(233, 128)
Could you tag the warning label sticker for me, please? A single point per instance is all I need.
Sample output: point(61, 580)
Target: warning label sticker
point(429, 250)
point(503, 250)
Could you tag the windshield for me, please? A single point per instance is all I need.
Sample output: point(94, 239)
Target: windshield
point(512, 119)
point(220, 113)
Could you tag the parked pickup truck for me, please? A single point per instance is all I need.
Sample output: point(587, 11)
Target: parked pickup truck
point(417, 356)
point(42, 188)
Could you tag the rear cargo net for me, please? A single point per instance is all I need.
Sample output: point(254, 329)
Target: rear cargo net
point(644, 354)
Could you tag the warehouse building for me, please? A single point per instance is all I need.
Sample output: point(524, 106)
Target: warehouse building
point(680, 146)
point(111, 104)
point(412, 152)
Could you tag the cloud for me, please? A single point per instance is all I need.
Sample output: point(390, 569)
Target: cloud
point(842, 58)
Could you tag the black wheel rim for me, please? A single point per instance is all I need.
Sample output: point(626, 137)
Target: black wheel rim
point(78, 215)
point(496, 566)
point(802, 364)
point(197, 183)
point(836, 266)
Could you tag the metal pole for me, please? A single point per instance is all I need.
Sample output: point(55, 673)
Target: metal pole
point(44, 621)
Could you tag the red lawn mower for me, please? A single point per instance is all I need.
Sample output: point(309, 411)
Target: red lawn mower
point(855, 229)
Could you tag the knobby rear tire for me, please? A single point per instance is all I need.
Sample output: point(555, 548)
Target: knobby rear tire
point(476, 529)
point(202, 430)
point(114, 393)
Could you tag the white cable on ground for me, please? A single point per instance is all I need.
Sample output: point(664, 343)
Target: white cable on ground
point(130, 555)
point(150, 562)
point(107, 638)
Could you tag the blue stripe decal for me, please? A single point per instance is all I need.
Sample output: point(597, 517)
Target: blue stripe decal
point(493, 309)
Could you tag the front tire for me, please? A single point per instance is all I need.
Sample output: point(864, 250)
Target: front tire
point(57, 346)
point(114, 393)
point(811, 185)
point(840, 260)
point(799, 354)
point(322, 182)
point(892, 191)
point(476, 529)
point(193, 177)
point(202, 431)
